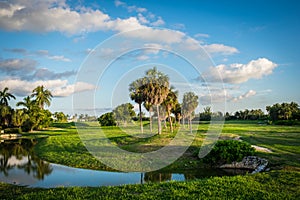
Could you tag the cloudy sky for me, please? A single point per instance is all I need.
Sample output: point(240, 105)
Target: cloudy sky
point(233, 54)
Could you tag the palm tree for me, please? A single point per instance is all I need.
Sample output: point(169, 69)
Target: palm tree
point(169, 103)
point(19, 117)
point(27, 103)
point(189, 104)
point(156, 89)
point(5, 96)
point(137, 95)
point(5, 113)
point(42, 96)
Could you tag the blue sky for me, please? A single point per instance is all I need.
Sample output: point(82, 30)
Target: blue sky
point(246, 53)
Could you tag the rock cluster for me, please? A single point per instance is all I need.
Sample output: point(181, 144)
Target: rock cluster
point(250, 162)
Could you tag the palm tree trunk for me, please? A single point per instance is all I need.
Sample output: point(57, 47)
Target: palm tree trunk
point(170, 121)
point(141, 117)
point(190, 121)
point(158, 120)
point(150, 117)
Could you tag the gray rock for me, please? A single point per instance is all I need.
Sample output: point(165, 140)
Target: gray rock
point(250, 162)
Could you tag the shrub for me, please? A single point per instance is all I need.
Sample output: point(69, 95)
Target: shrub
point(287, 122)
point(13, 130)
point(107, 119)
point(228, 151)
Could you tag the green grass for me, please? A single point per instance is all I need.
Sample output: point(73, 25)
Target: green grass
point(62, 144)
point(270, 185)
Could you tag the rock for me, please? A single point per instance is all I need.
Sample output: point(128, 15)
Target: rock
point(250, 162)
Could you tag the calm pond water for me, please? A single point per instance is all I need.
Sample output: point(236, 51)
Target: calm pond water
point(19, 165)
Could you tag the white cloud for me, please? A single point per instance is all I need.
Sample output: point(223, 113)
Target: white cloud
point(239, 73)
point(58, 88)
point(45, 16)
point(244, 96)
point(220, 48)
point(71, 89)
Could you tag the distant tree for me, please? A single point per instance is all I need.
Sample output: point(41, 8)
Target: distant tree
point(169, 103)
point(5, 96)
point(60, 117)
point(124, 113)
point(176, 110)
point(189, 104)
point(107, 119)
point(137, 94)
point(284, 111)
point(206, 114)
point(42, 96)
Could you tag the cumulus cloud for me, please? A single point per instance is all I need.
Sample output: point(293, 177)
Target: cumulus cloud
point(45, 16)
point(58, 88)
point(56, 15)
point(240, 73)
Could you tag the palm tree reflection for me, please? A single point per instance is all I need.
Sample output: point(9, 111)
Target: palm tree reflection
point(19, 154)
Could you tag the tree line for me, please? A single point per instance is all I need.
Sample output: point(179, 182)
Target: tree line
point(153, 91)
point(30, 114)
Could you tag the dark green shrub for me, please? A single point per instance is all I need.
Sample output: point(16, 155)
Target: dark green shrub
point(228, 151)
point(107, 119)
point(287, 122)
point(13, 130)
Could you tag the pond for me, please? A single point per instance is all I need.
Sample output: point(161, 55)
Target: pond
point(19, 165)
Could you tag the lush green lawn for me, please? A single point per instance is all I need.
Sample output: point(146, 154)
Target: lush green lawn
point(270, 185)
point(64, 146)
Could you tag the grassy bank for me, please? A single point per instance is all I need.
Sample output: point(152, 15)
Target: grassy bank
point(270, 185)
point(63, 145)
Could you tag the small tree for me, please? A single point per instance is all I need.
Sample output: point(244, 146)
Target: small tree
point(189, 104)
point(124, 113)
point(107, 119)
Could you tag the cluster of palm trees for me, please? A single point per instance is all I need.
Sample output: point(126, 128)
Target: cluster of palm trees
point(154, 92)
point(32, 115)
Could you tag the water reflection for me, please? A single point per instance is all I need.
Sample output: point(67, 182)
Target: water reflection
point(19, 165)
point(18, 153)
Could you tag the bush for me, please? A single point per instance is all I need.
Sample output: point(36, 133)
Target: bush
point(13, 130)
point(107, 119)
point(228, 151)
point(287, 122)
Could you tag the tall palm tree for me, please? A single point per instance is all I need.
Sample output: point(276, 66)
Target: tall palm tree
point(170, 103)
point(156, 90)
point(42, 96)
point(136, 94)
point(189, 104)
point(5, 96)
